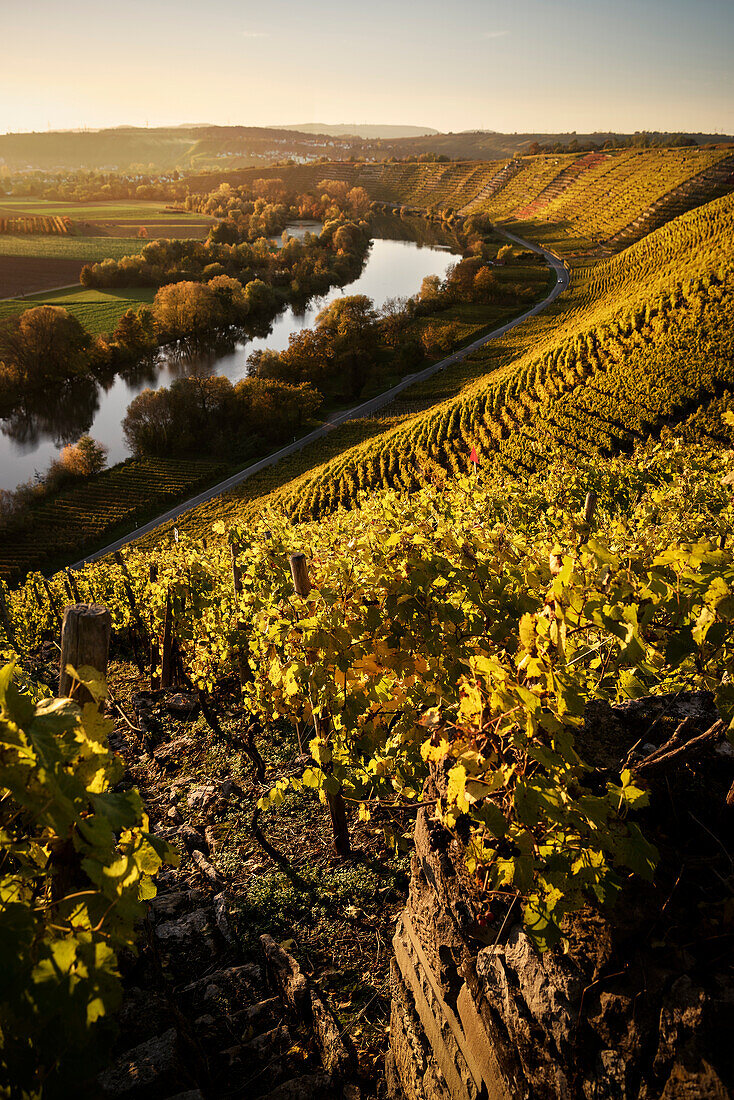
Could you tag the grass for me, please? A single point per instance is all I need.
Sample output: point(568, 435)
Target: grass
point(88, 249)
point(98, 310)
point(113, 211)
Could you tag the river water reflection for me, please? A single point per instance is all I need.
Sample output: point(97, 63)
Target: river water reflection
point(395, 268)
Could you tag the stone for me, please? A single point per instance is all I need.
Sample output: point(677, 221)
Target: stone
point(225, 990)
point(208, 870)
point(201, 797)
point(315, 1086)
point(335, 1056)
point(221, 916)
point(188, 942)
point(192, 839)
point(184, 704)
point(151, 1069)
point(286, 975)
point(172, 751)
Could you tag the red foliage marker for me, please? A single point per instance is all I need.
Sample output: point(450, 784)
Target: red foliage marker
point(474, 457)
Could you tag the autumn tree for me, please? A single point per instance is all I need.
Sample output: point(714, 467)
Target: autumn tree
point(359, 202)
point(45, 344)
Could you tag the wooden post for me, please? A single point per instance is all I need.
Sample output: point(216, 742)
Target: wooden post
point(167, 658)
point(154, 648)
point(85, 640)
point(5, 618)
point(299, 572)
point(337, 806)
point(302, 587)
point(52, 602)
point(71, 581)
point(39, 602)
point(590, 506)
point(139, 624)
point(243, 668)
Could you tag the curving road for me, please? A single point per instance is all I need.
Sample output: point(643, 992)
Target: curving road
point(365, 409)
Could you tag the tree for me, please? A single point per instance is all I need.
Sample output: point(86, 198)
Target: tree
point(485, 285)
point(85, 457)
point(334, 189)
point(359, 201)
point(351, 326)
point(45, 344)
point(187, 309)
point(135, 332)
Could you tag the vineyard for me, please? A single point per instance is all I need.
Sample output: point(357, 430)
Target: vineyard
point(641, 341)
point(32, 225)
point(577, 202)
point(412, 620)
point(469, 631)
point(122, 496)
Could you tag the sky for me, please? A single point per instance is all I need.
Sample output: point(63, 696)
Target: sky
point(506, 65)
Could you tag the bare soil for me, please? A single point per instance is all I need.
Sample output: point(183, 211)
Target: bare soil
point(29, 274)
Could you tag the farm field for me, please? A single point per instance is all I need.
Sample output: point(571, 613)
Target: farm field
point(99, 231)
point(28, 274)
point(83, 249)
point(130, 210)
point(98, 310)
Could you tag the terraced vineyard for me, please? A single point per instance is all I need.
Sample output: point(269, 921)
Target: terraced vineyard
point(573, 200)
point(641, 341)
point(116, 500)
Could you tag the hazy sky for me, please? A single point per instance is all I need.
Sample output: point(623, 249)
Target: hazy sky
point(511, 65)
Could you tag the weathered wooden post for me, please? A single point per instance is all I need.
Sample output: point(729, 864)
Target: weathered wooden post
point(85, 640)
point(71, 581)
point(51, 601)
point(139, 624)
point(299, 572)
point(5, 618)
point(154, 648)
point(590, 506)
point(337, 806)
point(167, 657)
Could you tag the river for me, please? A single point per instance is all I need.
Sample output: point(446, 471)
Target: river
point(394, 268)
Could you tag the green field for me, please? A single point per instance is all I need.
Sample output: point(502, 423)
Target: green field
point(88, 249)
point(98, 310)
point(126, 210)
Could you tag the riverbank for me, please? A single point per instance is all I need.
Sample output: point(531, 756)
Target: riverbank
point(125, 502)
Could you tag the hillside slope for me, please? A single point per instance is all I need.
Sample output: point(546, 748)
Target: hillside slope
point(574, 201)
point(641, 342)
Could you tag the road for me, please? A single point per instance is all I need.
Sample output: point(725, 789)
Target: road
point(365, 409)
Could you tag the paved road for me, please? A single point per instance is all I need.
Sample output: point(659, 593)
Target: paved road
point(365, 409)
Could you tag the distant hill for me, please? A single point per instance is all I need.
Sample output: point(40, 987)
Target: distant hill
point(201, 148)
point(356, 129)
point(489, 145)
